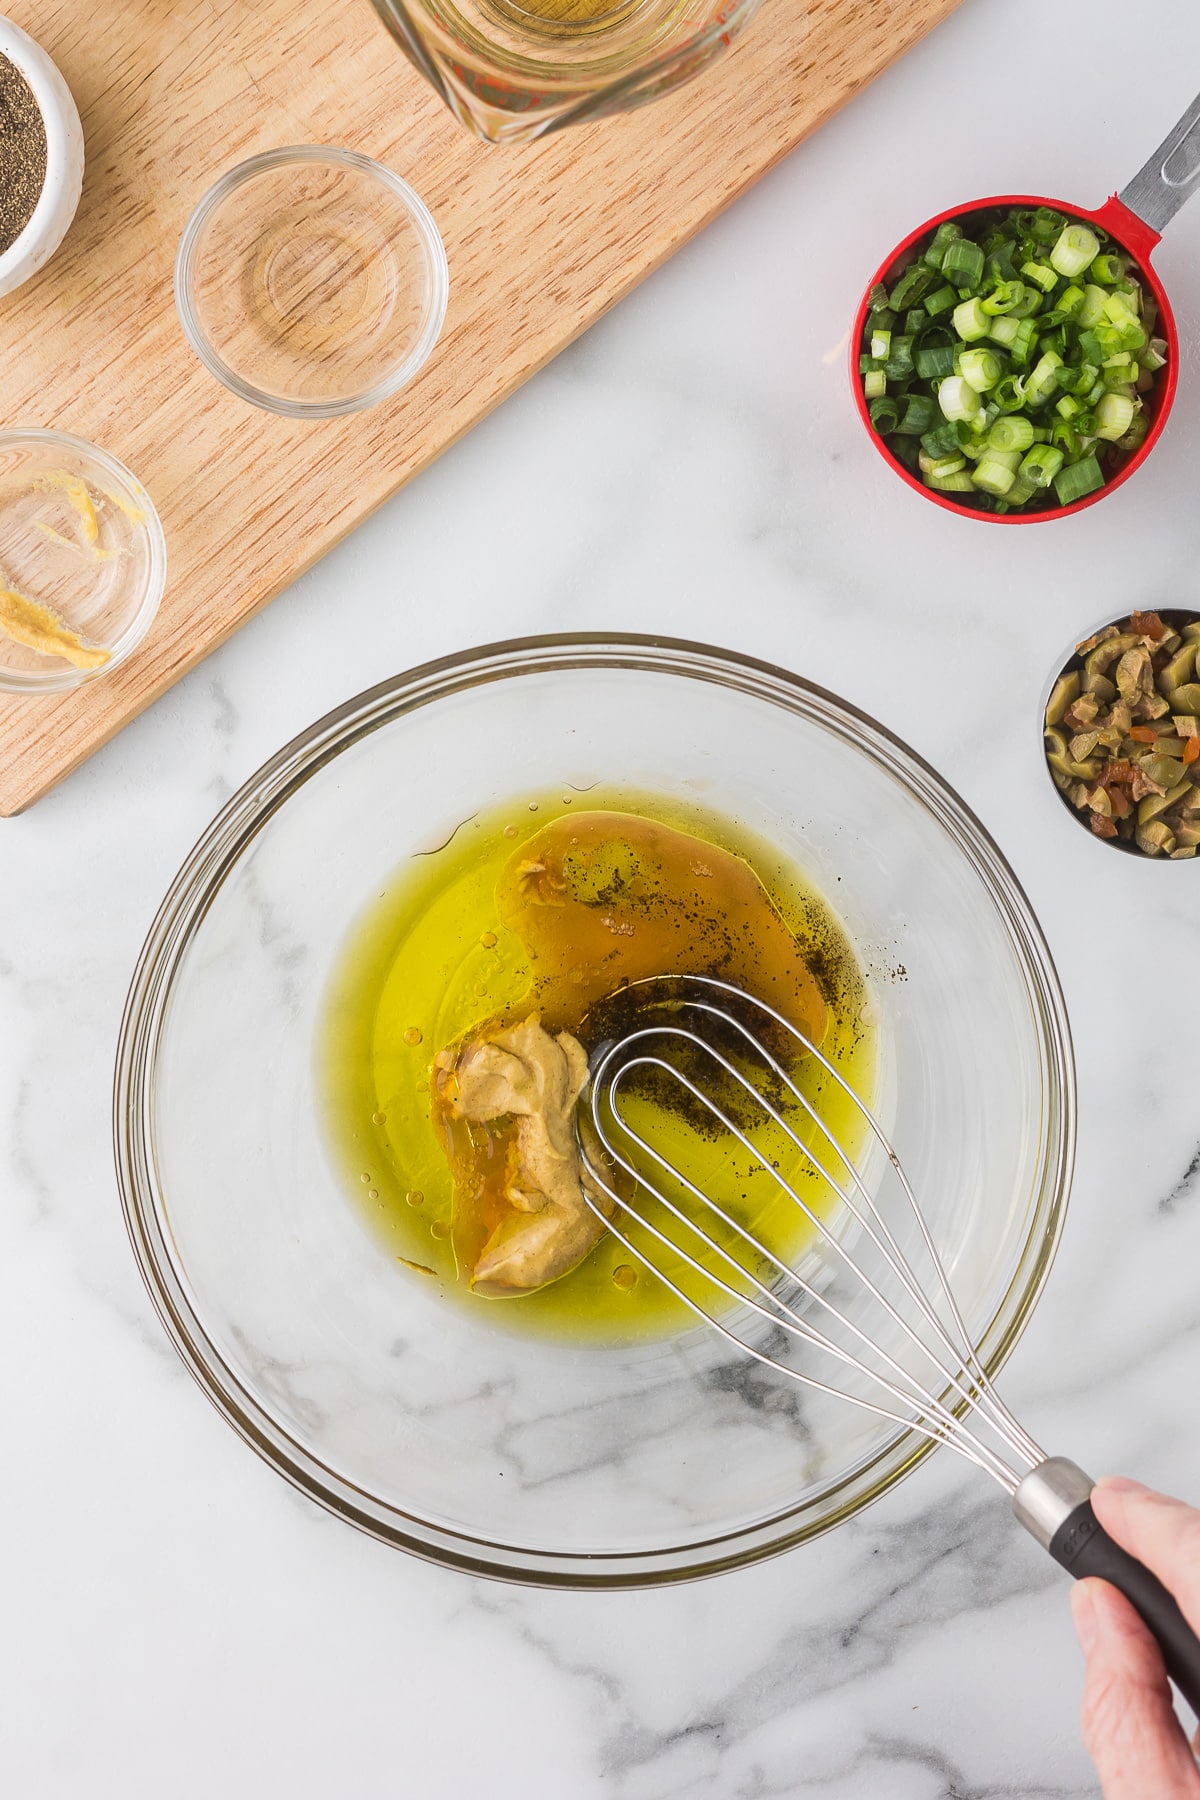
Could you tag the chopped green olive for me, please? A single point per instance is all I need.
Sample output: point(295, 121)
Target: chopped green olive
point(1122, 735)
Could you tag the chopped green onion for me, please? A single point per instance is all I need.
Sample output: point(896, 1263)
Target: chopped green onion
point(1070, 300)
point(943, 237)
point(1077, 480)
point(881, 345)
point(942, 300)
point(1005, 330)
point(941, 441)
point(1077, 246)
point(1042, 380)
point(1025, 342)
point(933, 361)
point(1107, 268)
point(874, 384)
point(1041, 274)
point(980, 368)
point(911, 287)
point(885, 414)
point(1114, 416)
point(1021, 490)
point(1042, 464)
point(1068, 407)
point(1066, 439)
point(940, 466)
point(958, 399)
point(959, 483)
point(970, 321)
point(1045, 224)
point(963, 264)
point(1006, 395)
point(995, 473)
point(1118, 310)
point(1090, 310)
point(1003, 298)
point(1029, 303)
point(915, 320)
point(906, 451)
point(919, 414)
point(1010, 434)
point(1154, 354)
point(899, 362)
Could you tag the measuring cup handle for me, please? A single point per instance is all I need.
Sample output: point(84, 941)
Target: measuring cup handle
point(1170, 176)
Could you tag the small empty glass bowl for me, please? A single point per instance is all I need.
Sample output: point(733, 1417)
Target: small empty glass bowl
point(81, 547)
point(311, 281)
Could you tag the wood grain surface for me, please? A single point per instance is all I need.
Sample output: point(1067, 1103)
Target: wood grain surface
point(541, 240)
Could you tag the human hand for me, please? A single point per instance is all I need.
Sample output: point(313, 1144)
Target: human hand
point(1128, 1717)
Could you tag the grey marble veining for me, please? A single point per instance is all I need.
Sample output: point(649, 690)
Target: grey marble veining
point(178, 1618)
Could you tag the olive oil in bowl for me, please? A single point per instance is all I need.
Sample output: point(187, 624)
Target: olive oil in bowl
point(450, 945)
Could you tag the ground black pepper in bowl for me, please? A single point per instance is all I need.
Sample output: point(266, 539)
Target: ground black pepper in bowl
point(22, 154)
point(1122, 734)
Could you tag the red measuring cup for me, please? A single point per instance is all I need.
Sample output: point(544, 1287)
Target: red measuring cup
point(1134, 219)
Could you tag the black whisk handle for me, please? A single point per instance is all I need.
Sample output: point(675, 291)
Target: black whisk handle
point(1083, 1547)
point(1053, 1503)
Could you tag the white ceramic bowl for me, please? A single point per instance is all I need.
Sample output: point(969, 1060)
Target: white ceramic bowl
point(64, 159)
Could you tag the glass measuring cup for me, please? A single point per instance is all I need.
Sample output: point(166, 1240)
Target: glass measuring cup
point(1134, 219)
point(510, 70)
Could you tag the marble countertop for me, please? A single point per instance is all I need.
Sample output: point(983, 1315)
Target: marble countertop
point(176, 1618)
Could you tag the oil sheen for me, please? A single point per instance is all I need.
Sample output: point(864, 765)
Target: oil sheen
point(439, 954)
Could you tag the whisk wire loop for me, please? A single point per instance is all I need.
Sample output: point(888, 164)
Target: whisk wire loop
point(962, 1348)
point(939, 1435)
point(941, 1418)
point(777, 1311)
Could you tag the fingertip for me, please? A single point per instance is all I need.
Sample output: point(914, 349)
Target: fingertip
point(1112, 1499)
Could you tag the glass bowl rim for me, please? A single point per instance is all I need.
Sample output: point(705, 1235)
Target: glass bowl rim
point(154, 581)
point(217, 852)
point(436, 266)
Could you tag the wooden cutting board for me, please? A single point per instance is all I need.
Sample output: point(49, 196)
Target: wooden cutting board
point(541, 241)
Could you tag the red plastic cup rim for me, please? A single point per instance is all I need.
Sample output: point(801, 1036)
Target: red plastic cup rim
point(1130, 234)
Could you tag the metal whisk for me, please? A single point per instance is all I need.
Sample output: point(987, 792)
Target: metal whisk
point(723, 1057)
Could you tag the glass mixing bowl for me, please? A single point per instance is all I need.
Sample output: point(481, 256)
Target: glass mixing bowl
point(437, 1428)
